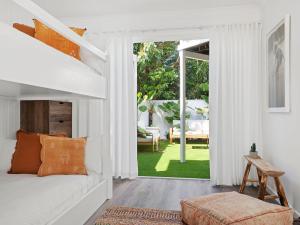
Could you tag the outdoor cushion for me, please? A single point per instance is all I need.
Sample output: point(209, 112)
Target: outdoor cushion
point(142, 133)
point(234, 209)
point(154, 131)
point(145, 139)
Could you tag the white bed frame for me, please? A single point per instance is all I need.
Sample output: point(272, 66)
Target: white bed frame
point(84, 83)
point(80, 212)
point(47, 71)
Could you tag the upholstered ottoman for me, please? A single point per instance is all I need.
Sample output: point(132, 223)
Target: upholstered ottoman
point(234, 209)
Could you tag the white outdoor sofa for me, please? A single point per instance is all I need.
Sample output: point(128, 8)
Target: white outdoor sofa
point(195, 129)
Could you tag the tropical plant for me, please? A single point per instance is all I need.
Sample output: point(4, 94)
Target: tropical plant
point(204, 111)
point(158, 70)
point(146, 103)
point(172, 109)
point(253, 148)
point(158, 78)
point(197, 79)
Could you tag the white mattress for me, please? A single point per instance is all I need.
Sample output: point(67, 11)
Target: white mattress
point(31, 200)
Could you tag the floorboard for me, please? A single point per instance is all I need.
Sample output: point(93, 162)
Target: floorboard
point(161, 193)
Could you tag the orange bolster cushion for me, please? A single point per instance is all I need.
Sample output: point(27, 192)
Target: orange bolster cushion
point(25, 29)
point(55, 40)
point(62, 156)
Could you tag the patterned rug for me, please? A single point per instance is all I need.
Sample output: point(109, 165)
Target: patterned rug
point(138, 216)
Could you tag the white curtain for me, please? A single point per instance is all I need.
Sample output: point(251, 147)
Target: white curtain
point(123, 115)
point(235, 99)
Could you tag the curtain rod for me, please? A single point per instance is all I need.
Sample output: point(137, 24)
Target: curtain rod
point(153, 30)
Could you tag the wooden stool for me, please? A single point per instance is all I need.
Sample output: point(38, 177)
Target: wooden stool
point(264, 169)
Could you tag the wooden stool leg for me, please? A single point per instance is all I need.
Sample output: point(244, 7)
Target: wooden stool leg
point(258, 175)
point(281, 192)
point(245, 178)
point(262, 187)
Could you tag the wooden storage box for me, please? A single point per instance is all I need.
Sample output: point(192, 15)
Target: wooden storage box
point(47, 117)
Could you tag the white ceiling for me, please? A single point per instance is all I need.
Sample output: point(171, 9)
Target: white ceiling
point(82, 8)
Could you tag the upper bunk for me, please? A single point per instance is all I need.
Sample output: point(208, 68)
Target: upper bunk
point(30, 68)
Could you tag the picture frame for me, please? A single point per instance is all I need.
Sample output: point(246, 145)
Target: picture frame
point(278, 66)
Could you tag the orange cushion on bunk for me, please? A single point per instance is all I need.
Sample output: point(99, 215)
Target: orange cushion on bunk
point(62, 156)
point(25, 29)
point(27, 156)
point(57, 41)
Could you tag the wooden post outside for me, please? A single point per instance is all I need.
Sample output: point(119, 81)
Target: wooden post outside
point(171, 135)
point(182, 105)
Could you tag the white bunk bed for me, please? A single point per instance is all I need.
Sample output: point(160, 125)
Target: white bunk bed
point(46, 73)
point(26, 61)
point(30, 65)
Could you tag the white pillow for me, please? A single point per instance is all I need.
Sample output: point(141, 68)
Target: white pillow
point(93, 155)
point(7, 148)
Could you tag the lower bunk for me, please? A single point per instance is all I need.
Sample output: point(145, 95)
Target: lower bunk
point(29, 198)
point(56, 200)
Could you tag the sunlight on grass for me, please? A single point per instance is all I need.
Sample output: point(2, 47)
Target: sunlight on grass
point(167, 163)
point(163, 163)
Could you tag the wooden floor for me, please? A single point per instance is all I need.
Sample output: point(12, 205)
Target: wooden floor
point(160, 193)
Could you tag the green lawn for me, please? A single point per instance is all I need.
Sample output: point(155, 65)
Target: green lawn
point(166, 162)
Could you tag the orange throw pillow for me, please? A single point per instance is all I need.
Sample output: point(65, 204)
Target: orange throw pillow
point(62, 156)
point(55, 40)
point(25, 29)
point(26, 158)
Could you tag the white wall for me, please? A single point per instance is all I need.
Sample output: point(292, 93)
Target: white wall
point(89, 118)
point(281, 130)
point(9, 118)
point(10, 12)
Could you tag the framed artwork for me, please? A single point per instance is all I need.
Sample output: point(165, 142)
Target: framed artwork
point(278, 66)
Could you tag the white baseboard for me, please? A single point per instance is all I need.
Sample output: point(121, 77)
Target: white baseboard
point(273, 192)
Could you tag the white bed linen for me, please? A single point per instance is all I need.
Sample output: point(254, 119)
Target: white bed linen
point(30, 200)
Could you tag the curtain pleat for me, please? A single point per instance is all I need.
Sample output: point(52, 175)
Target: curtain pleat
point(235, 102)
point(123, 108)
